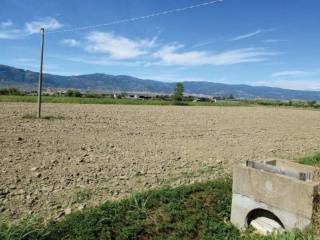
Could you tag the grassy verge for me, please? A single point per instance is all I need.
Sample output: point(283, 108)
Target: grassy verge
point(197, 211)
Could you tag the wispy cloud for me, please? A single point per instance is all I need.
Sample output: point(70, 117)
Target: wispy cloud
point(48, 23)
point(170, 55)
point(102, 61)
point(118, 47)
point(299, 84)
point(10, 34)
point(26, 60)
point(70, 42)
point(175, 78)
point(251, 34)
point(8, 31)
point(202, 44)
point(149, 52)
point(274, 40)
point(6, 24)
point(291, 73)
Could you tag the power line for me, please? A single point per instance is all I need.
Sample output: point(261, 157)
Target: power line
point(134, 19)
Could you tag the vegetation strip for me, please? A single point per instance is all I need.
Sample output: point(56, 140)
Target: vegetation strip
point(124, 101)
point(197, 211)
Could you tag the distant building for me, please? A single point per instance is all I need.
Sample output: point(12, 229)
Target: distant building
point(205, 99)
point(140, 96)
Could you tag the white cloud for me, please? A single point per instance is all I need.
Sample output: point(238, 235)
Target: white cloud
point(301, 84)
point(48, 23)
point(202, 44)
point(102, 61)
point(120, 50)
point(274, 40)
point(169, 55)
point(175, 78)
point(118, 47)
point(251, 34)
point(10, 34)
point(70, 42)
point(6, 24)
point(26, 60)
point(291, 73)
point(7, 32)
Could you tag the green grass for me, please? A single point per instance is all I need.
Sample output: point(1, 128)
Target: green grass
point(197, 211)
point(83, 195)
point(108, 100)
point(54, 99)
point(313, 159)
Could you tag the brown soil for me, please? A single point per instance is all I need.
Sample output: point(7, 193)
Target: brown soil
point(92, 153)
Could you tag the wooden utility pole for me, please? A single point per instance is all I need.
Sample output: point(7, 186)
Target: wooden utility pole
point(40, 73)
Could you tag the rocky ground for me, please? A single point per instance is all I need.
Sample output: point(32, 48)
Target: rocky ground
point(88, 154)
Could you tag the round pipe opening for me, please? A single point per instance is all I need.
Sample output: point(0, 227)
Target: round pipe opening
point(264, 221)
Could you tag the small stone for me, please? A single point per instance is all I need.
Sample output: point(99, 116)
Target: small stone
point(123, 178)
point(37, 175)
point(55, 161)
point(67, 211)
point(21, 192)
point(60, 214)
point(81, 206)
point(4, 192)
point(58, 206)
point(33, 169)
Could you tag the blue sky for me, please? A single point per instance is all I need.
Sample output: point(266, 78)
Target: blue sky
point(266, 42)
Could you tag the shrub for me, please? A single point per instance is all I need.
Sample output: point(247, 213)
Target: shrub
point(72, 93)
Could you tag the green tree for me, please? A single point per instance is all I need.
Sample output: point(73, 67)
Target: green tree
point(10, 91)
point(177, 95)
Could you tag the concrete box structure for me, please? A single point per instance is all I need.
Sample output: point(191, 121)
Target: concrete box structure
point(277, 189)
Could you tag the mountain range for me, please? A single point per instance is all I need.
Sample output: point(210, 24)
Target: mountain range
point(98, 82)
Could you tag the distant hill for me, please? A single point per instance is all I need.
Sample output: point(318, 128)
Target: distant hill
point(14, 77)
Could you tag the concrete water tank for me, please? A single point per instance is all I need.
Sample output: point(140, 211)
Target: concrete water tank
point(273, 195)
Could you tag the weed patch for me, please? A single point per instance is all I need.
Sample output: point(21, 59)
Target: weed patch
point(313, 159)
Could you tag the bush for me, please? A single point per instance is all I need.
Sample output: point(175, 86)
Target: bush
point(72, 93)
